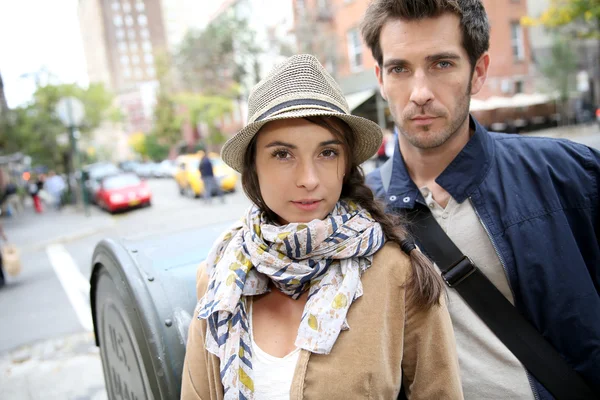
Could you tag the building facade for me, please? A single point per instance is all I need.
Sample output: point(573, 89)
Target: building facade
point(351, 62)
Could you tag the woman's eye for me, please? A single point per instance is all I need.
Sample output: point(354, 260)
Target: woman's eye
point(329, 153)
point(281, 154)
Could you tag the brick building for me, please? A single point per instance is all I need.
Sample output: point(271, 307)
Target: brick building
point(337, 27)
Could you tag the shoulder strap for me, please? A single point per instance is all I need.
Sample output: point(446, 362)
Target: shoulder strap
point(521, 338)
point(386, 173)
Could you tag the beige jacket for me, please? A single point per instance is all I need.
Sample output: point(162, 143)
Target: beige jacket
point(387, 339)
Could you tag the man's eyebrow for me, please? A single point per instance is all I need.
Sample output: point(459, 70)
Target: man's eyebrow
point(446, 55)
point(395, 62)
point(277, 143)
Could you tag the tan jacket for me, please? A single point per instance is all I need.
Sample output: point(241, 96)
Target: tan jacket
point(387, 339)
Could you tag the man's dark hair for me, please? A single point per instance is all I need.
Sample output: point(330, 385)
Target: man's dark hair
point(473, 22)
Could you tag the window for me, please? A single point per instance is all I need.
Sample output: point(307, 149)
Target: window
point(122, 47)
point(518, 50)
point(115, 6)
point(300, 6)
point(354, 50)
point(127, 72)
point(145, 33)
point(118, 21)
point(133, 46)
point(147, 46)
point(150, 72)
point(518, 87)
point(138, 72)
point(139, 6)
point(126, 7)
point(125, 60)
point(131, 34)
point(148, 59)
point(142, 20)
point(120, 33)
point(135, 59)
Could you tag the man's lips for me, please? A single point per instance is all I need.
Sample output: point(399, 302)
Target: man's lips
point(423, 119)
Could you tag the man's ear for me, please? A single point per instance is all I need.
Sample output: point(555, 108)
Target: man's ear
point(379, 75)
point(480, 73)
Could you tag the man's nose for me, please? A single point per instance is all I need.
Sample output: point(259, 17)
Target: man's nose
point(421, 92)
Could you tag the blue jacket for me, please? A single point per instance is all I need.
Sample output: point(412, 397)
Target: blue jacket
point(538, 199)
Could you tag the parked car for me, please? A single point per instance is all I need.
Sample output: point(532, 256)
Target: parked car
point(145, 170)
point(188, 177)
point(93, 175)
point(167, 169)
point(122, 192)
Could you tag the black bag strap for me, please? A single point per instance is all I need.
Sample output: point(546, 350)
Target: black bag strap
point(521, 338)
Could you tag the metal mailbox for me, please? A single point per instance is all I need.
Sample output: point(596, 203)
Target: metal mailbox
point(143, 295)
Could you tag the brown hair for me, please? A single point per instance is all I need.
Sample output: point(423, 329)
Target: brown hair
point(424, 286)
point(473, 22)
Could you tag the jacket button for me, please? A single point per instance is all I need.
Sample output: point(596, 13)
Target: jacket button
point(406, 199)
point(393, 198)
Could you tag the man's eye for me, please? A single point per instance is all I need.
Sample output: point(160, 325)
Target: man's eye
point(398, 70)
point(444, 64)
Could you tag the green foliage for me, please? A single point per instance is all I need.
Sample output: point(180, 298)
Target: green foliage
point(560, 68)
point(581, 17)
point(34, 129)
point(154, 149)
point(213, 60)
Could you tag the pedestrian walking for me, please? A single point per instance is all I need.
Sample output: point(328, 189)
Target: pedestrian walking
point(34, 187)
point(315, 293)
point(55, 186)
point(211, 185)
point(5, 239)
point(512, 222)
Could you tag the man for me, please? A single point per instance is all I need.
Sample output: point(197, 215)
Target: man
point(3, 237)
point(55, 185)
point(208, 179)
point(525, 210)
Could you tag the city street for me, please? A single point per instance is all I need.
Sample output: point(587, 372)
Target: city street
point(47, 347)
point(46, 338)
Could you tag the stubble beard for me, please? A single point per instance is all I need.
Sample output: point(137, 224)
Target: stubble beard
point(424, 138)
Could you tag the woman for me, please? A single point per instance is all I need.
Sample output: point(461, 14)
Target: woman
point(301, 298)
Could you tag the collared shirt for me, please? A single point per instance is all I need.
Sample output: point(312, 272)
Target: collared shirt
point(488, 368)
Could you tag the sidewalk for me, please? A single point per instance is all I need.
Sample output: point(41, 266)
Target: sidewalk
point(46, 370)
point(31, 231)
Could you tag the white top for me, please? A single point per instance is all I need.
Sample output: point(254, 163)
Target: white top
point(272, 375)
point(488, 370)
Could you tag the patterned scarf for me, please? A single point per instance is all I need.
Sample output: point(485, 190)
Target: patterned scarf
point(325, 257)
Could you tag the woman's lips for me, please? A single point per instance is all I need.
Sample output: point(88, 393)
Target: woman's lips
point(307, 205)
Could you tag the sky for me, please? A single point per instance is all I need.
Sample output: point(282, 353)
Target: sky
point(36, 34)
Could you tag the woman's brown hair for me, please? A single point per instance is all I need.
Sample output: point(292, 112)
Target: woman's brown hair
point(424, 286)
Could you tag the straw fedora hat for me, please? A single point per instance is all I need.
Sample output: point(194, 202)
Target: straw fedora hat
point(297, 88)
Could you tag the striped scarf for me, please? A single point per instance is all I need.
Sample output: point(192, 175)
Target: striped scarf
point(325, 257)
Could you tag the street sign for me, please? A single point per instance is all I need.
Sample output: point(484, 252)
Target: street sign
point(70, 111)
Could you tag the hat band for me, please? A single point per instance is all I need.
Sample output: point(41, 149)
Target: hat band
point(299, 102)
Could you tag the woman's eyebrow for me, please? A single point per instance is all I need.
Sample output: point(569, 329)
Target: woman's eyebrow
point(278, 143)
point(330, 142)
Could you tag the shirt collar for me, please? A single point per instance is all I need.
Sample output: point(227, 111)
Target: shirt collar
point(460, 178)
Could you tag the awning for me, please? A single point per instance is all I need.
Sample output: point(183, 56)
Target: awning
point(356, 99)
point(518, 100)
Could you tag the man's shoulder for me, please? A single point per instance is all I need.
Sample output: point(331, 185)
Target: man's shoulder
point(373, 181)
point(540, 148)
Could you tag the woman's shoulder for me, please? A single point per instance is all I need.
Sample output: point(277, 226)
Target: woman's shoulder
point(201, 279)
point(392, 263)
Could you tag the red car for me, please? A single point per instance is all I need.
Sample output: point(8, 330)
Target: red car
point(121, 192)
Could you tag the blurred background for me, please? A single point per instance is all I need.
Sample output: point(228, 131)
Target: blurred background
point(107, 108)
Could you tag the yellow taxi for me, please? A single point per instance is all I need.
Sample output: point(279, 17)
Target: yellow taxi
point(188, 177)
